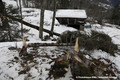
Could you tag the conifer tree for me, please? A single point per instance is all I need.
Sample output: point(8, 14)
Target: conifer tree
point(116, 14)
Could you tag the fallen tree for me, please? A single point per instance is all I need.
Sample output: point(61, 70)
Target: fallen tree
point(49, 44)
point(32, 26)
point(72, 59)
point(81, 66)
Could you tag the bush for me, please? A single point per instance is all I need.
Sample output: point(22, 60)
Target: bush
point(95, 41)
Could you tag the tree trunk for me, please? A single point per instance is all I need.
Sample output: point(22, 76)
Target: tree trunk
point(41, 20)
point(21, 17)
point(53, 19)
point(49, 44)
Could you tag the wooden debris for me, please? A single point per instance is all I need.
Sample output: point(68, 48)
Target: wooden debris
point(67, 55)
point(77, 58)
point(60, 59)
point(24, 48)
point(24, 42)
point(66, 69)
point(76, 45)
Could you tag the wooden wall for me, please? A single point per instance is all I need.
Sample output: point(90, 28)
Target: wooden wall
point(70, 21)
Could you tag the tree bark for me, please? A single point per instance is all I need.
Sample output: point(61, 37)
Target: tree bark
point(41, 20)
point(53, 19)
point(21, 17)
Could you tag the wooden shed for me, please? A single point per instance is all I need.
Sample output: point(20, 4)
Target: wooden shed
point(71, 17)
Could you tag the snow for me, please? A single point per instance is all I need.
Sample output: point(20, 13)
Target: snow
point(101, 54)
point(0, 22)
point(106, 6)
point(113, 32)
point(71, 13)
point(32, 16)
point(10, 2)
point(9, 68)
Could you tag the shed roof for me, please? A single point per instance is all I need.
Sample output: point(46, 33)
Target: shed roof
point(71, 13)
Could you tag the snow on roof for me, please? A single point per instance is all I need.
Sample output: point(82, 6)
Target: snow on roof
point(71, 13)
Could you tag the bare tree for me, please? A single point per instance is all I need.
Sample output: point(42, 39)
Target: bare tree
point(53, 19)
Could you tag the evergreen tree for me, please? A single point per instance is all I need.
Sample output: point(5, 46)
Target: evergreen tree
point(9, 30)
point(63, 4)
point(116, 14)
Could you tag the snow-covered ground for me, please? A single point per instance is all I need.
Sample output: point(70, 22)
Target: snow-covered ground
point(11, 65)
point(32, 16)
point(10, 68)
point(112, 31)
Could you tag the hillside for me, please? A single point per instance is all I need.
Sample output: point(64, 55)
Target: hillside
point(34, 59)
